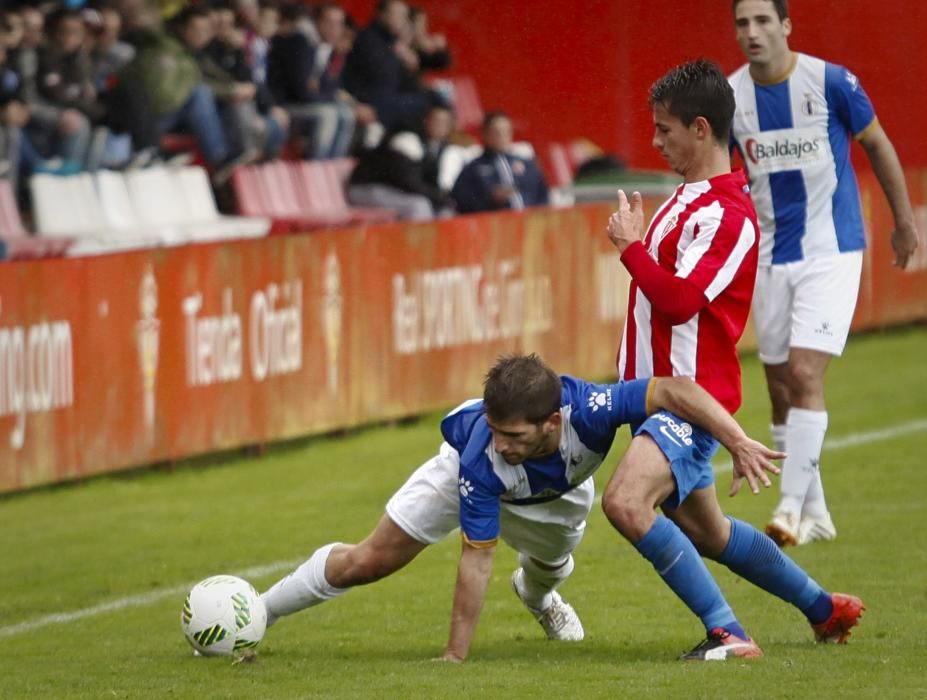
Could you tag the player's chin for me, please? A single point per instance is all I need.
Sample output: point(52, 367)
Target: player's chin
point(511, 458)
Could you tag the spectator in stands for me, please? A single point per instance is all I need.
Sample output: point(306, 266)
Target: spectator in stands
point(227, 52)
point(248, 131)
point(431, 49)
point(14, 114)
point(259, 24)
point(107, 52)
point(161, 89)
point(498, 179)
point(67, 100)
point(379, 68)
point(395, 175)
point(307, 81)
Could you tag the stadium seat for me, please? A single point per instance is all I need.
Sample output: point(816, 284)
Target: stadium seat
point(156, 202)
point(204, 220)
point(122, 220)
point(561, 170)
point(324, 193)
point(270, 190)
point(69, 207)
point(15, 240)
point(466, 100)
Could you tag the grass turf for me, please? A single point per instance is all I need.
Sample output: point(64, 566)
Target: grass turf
point(82, 545)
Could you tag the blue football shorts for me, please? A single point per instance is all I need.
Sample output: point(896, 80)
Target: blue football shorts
point(689, 450)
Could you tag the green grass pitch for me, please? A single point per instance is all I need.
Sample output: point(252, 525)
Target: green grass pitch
point(112, 540)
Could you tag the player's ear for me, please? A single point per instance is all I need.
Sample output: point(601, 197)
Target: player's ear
point(787, 27)
point(702, 128)
point(552, 423)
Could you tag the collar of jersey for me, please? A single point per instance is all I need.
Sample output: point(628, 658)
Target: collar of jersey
point(782, 78)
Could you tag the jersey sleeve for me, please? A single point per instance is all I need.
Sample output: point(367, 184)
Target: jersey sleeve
point(723, 240)
point(600, 409)
point(479, 503)
point(847, 99)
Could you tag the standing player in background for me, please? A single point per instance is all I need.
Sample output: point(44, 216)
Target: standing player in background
point(517, 464)
point(794, 116)
point(691, 283)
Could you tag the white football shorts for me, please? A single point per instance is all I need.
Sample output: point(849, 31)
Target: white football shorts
point(427, 508)
point(806, 304)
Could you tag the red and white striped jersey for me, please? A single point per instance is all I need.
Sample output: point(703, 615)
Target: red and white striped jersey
point(702, 248)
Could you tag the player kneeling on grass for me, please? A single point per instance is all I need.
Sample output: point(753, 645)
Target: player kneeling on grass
point(517, 464)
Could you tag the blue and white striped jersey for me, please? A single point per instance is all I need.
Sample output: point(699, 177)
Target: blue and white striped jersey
point(591, 415)
point(794, 137)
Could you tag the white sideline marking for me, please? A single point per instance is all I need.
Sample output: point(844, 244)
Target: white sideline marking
point(854, 439)
point(135, 601)
point(132, 601)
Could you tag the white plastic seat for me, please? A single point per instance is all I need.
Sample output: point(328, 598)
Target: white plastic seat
point(157, 204)
point(204, 221)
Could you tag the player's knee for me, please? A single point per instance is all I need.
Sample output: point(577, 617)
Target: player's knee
point(366, 566)
point(805, 379)
point(623, 512)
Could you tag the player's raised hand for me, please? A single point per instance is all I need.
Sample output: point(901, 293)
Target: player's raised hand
point(627, 224)
point(904, 243)
point(752, 460)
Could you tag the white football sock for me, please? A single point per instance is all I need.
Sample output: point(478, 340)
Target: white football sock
point(778, 436)
point(536, 583)
point(815, 506)
point(305, 587)
point(804, 438)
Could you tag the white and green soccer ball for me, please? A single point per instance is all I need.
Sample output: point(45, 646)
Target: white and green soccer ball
point(223, 615)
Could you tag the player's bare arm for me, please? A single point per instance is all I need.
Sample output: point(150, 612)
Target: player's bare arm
point(626, 225)
point(888, 170)
point(473, 574)
point(752, 459)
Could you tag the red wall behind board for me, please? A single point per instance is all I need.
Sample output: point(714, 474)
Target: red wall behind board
point(570, 69)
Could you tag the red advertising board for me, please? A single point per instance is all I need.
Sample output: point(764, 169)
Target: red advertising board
point(113, 361)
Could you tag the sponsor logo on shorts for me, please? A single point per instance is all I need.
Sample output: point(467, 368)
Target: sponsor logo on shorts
point(681, 430)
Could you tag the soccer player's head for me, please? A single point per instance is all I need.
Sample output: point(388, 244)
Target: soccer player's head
point(693, 107)
point(521, 397)
point(763, 28)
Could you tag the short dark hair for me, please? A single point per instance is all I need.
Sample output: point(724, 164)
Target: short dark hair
point(188, 14)
point(697, 89)
point(782, 7)
point(490, 117)
point(521, 387)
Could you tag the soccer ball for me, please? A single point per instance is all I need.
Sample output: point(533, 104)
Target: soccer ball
point(223, 615)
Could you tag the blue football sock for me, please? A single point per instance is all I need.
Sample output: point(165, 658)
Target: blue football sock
point(678, 562)
point(752, 555)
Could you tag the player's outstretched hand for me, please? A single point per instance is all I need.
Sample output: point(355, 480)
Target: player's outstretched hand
point(904, 243)
point(627, 224)
point(752, 460)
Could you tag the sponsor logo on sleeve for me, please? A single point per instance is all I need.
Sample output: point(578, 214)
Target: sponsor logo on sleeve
point(600, 399)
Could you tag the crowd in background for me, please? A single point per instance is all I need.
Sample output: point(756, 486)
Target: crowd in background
point(89, 84)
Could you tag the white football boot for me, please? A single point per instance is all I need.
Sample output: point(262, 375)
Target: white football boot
point(816, 529)
point(783, 528)
point(559, 619)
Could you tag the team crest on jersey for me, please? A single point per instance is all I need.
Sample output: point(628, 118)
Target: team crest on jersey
point(807, 106)
point(518, 167)
point(669, 225)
